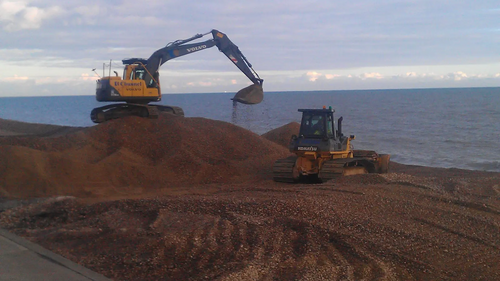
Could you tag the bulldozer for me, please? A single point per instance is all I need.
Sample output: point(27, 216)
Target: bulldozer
point(140, 82)
point(322, 152)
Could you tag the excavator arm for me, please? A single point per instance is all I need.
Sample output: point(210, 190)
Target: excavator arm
point(252, 94)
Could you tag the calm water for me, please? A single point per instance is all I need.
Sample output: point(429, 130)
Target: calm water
point(432, 127)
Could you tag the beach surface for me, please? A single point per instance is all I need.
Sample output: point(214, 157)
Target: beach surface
point(193, 199)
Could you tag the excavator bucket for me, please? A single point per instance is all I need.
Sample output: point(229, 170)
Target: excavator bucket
point(252, 94)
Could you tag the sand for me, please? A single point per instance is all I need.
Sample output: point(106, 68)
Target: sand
point(192, 199)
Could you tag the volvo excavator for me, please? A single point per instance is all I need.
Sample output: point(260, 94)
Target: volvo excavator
point(322, 152)
point(140, 83)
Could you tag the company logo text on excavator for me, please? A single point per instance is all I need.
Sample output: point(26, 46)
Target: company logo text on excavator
point(128, 84)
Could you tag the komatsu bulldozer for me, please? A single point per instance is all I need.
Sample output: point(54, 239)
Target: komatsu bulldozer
point(140, 83)
point(322, 152)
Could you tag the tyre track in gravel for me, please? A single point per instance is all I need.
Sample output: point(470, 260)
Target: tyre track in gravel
point(283, 241)
point(307, 233)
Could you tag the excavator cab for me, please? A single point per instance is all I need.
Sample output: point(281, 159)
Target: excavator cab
point(135, 70)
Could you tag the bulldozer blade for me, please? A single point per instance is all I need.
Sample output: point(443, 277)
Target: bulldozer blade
point(349, 171)
point(383, 163)
point(252, 94)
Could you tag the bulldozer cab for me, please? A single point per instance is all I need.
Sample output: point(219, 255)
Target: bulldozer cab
point(317, 123)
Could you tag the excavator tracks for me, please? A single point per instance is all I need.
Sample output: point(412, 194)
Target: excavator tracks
point(115, 111)
point(283, 170)
point(170, 109)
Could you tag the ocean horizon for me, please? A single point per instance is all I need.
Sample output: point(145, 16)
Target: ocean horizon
point(437, 127)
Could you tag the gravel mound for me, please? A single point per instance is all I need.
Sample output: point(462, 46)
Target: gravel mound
point(283, 134)
point(17, 128)
point(132, 155)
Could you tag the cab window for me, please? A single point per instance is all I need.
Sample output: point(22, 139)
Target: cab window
point(139, 74)
point(313, 125)
point(329, 127)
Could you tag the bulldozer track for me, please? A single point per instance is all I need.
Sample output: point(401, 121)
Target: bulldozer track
point(283, 170)
point(332, 169)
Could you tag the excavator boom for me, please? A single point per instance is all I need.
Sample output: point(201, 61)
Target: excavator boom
point(249, 95)
point(140, 84)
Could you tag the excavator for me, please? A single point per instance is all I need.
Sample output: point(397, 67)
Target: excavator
point(322, 152)
point(140, 83)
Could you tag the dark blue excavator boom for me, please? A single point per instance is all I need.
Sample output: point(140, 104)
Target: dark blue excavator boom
point(249, 95)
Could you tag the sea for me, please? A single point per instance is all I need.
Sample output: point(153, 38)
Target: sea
point(449, 128)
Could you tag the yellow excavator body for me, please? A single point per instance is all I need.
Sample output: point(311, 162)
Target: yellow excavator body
point(132, 88)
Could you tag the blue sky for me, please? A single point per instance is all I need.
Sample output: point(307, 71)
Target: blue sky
point(49, 47)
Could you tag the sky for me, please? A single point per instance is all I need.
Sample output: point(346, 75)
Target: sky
point(50, 47)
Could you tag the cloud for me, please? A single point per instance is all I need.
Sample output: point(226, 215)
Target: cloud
point(15, 78)
point(10, 8)
point(17, 52)
point(19, 15)
point(452, 76)
point(19, 55)
point(331, 76)
point(313, 75)
point(68, 80)
point(453, 79)
point(371, 75)
point(459, 75)
point(327, 44)
point(40, 80)
point(200, 83)
point(47, 86)
point(87, 77)
point(90, 11)
point(87, 15)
